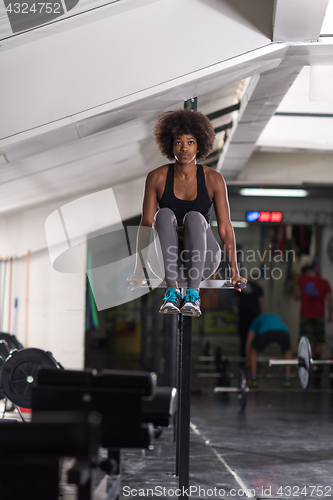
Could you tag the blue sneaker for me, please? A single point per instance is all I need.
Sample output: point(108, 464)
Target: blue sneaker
point(172, 301)
point(191, 304)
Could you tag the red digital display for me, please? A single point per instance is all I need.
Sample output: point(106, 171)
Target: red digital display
point(276, 217)
point(264, 216)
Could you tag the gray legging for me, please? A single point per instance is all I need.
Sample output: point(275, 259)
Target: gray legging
point(192, 260)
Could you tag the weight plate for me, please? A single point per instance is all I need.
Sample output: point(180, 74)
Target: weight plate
point(242, 394)
point(2, 395)
point(4, 350)
point(304, 359)
point(11, 340)
point(19, 373)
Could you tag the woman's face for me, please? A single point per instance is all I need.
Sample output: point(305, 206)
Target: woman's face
point(185, 148)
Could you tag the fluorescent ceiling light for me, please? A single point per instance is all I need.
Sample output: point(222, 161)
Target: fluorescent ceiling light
point(292, 193)
point(239, 223)
point(235, 223)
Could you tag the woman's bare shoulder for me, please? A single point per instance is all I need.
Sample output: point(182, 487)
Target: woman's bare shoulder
point(158, 174)
point(212, 175)
point(160, 170)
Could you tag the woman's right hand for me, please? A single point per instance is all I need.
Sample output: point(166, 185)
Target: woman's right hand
point(135, 281)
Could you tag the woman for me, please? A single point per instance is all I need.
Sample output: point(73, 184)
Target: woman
point(177, 202)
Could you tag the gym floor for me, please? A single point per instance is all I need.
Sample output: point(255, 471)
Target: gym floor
point(281, 447)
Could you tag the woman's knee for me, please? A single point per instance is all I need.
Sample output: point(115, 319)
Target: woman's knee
point(195, 219)
point(165, 215)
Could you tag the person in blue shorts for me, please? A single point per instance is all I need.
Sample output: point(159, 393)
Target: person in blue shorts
point(264, 330)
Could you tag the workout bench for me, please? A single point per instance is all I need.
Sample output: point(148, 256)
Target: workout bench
point(130, 404)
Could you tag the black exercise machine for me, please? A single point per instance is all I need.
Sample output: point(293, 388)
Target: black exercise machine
point(30, 454)
point(130, 404)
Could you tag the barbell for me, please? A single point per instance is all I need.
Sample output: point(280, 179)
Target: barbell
point(241, 391)
point(304, 363)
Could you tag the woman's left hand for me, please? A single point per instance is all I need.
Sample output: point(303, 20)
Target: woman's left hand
point(237, 280)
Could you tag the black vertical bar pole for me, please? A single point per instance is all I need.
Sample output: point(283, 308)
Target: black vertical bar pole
point(155, 338)
point(166, 343)
point(144, 331)
point(185, 402)
point(191, 104)
point(170, 322)
point(179, 389)
point(172, 349)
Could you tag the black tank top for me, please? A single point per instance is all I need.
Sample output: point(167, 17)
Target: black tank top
point(201, 203)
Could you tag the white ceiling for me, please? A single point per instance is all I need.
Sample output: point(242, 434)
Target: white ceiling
point(79, 97)
point(327, 27)
point(300, 124)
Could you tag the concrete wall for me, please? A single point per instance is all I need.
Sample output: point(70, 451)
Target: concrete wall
point(56, 305)
point(51, 316)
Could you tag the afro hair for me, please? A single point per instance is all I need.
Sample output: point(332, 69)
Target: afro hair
point(171, 124)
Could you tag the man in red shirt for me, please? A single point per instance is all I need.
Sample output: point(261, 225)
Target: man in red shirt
point(315, 292)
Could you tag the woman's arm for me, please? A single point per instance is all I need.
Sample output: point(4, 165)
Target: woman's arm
point(225, 229)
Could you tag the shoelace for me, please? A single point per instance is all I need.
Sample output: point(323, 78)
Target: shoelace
point(171, 295)
point(192, 295)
